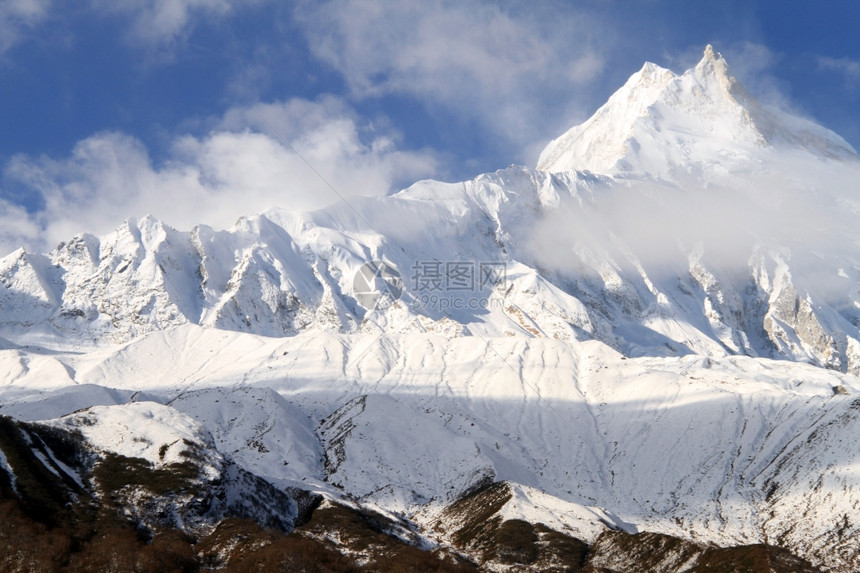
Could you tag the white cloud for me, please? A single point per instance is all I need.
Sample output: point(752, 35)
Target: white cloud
point(500, 65)
point(17, 228)
point(240, 167)
point(849, 68)
point(18, 16)
point(791, 201)
point(160, 23)
point(155, 24)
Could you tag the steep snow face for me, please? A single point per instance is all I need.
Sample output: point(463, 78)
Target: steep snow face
point(665, 125)
point(601, 141)
point(30, 288)
point(258, 429)
point(364, 443)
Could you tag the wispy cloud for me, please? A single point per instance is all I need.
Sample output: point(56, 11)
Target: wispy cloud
point(849, 68)
point(159, 24)
point(239, 167)
point(485, 61)
point(17, 17)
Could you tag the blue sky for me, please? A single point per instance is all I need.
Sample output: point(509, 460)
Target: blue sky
point(192, 110)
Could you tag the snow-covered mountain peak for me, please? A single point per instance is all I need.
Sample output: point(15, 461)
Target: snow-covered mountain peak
point(662, 336)
point(665, 124)
point(712, 82)
point(597, 144)
point(713, 66)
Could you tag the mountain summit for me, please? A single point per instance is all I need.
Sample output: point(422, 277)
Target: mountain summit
point(662, 123)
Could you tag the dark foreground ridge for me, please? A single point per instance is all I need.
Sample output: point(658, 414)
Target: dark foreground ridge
point(67, 508)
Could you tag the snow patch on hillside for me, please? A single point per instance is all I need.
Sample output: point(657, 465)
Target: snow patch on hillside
point(148, 430)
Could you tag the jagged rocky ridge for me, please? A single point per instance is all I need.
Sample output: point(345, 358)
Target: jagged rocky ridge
point(620, 372)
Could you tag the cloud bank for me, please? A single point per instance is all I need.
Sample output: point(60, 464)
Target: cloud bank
point(791, 203)
point(288, 154)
